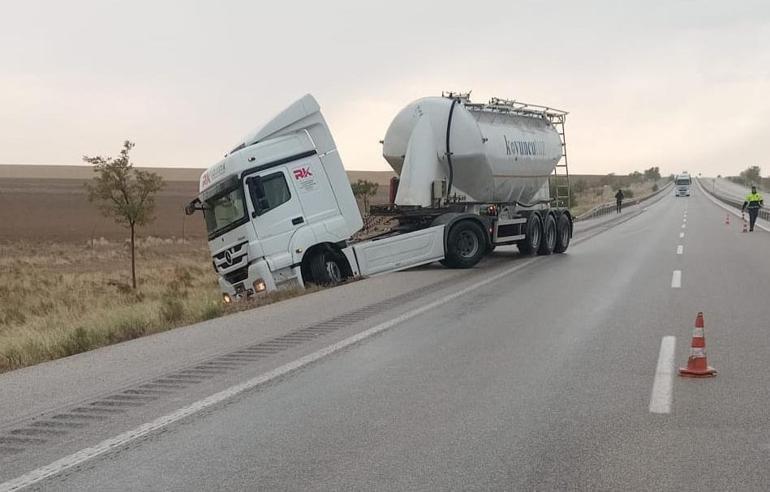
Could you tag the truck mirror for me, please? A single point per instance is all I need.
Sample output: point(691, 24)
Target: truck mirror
point(190, 208)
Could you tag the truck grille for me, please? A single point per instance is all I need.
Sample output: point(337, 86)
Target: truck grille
point(230, 257)
point(238, 275)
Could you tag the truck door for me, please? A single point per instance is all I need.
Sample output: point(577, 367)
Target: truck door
point(314, 190)
point(276, 212)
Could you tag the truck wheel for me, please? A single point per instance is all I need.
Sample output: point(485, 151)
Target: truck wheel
point(562, 234)
point(533, 236)
point(326, 268)
point(465, 245)
point(548, 243)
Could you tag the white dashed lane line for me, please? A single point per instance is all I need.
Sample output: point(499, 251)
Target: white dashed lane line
point(676, 279)
point(681, 234)
point(680, 249)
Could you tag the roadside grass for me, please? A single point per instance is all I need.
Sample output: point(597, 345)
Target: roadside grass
point(62, 299)
point(592, 196)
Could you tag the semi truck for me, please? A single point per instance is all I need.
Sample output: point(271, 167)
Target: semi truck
point(682, 183)
point(280, 211)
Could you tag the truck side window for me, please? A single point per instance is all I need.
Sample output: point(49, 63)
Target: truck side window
point(269, 192)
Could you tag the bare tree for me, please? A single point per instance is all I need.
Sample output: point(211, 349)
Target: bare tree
point(124, 193)
point(364, 189)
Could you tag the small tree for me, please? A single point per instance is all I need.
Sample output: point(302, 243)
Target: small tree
point(751, 175)
point(636, 177)
point(363, 190)
point(652, 174)
point(124, 193)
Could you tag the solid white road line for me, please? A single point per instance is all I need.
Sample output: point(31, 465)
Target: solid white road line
point(663, 384)
point(681, 234)
point(676, 279)
point(86, 454)
point(680, 249)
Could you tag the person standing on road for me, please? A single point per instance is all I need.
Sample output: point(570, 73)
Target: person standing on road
point(619, 200)
point(753, 201)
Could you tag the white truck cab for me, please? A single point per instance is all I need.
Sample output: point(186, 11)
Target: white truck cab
point(682, 184)
point(280, 193)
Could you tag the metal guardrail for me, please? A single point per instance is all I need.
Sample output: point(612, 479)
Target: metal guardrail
point(611, 207)
point(763, 212)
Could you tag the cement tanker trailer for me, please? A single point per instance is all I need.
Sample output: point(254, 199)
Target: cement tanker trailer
point(492, 163)
point(280, 211)
point(484, 153)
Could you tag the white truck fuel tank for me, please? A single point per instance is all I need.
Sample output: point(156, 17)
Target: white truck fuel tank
point(500, 152)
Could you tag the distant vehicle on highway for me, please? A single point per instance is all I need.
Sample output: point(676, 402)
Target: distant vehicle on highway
point(682, 183)
point(280, 211)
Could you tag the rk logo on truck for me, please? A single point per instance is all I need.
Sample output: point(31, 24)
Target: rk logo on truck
point(302, 173)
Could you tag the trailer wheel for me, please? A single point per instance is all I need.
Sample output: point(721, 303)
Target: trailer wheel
point(534, 234)
point(562, 234)
point(326, 268)
point(548, 243)
point(465, 245)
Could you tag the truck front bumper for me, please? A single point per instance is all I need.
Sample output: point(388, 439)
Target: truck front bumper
point(258, 281)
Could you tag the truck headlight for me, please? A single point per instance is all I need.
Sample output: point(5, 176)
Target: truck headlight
point(259, 285)
point(226, 299)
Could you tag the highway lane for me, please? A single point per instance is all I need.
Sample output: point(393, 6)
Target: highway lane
point(539, 380)
point(58, 408)
point(47, 387)
point(734, 192)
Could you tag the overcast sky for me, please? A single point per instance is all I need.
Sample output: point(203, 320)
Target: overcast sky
point(679, 84)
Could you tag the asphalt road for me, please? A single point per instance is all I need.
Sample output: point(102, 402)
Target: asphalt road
point(731, 191)
point(525, 374)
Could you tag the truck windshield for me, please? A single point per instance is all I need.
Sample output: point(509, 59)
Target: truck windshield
point(225, 211)
point(683, 182)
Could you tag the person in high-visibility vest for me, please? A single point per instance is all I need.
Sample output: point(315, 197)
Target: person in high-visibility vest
point(753, 202)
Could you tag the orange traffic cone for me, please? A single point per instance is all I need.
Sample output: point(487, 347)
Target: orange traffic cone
point(727, 219)
point(697, 365)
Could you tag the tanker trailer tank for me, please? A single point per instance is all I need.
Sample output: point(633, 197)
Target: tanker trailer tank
point(502, 152)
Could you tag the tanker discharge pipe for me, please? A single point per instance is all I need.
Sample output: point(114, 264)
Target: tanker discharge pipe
point(455, 101)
